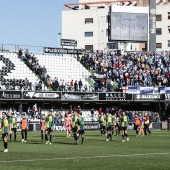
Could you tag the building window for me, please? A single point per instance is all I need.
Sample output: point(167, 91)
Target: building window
point(168, 15)
point(107, 18)
point(169, 29)
point(168, 43)
point(88, 20)
point(88, 34)
point(87, 7)
point(159, 31)
point(89, 47)
point(158, 17)
point(107, 32)
point(158, 45)
point(101, 6)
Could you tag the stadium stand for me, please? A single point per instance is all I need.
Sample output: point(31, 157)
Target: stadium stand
point(64, 69)
point(14, 74)
point(122, 69)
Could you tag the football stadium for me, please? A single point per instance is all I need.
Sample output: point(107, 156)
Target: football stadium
point(99, 100)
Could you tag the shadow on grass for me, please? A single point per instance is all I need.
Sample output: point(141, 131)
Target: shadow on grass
point(58, 136)
point(36, 143)
point(65, 143)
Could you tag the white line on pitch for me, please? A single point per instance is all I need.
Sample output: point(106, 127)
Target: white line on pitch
point(88, 157)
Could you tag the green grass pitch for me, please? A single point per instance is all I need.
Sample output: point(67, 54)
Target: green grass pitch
point(150, 152)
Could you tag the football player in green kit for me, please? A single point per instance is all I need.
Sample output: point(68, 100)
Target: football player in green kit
point(6, 128)
point(49, 123)
point(10, 124)
point(73, 124)
point(124, 126)
point(13, 127)
point(109, 121)
point(80, 124)
point(102, 124)
point(114, 124)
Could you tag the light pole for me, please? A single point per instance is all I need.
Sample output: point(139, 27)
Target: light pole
point(59, 38)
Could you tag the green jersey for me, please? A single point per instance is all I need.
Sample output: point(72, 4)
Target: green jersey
point(14, 122)
point(109, 120)
point(74, 121)
point(80, 123)
point(101, 120)
point(124, 121)
point(49, 121)
point(10, 120)
point(5, 125)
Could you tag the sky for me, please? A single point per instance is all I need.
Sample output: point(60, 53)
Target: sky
point(31, 22)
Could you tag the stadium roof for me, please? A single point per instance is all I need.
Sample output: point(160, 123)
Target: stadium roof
point(75, 5)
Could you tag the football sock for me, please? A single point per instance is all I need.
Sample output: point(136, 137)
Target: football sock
point(22, 133)
point(10, 136)
point(25, 135)
point(82, 139)
point(123, 137)
point(47, 137)
point(5, 145)
point(50, 138)
point(41, 136)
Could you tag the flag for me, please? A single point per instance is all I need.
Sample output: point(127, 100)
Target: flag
point(167, 90)
point(155, 90)
point(146, 90)
point(162, 90)
point(133, 90)
point(125, 89)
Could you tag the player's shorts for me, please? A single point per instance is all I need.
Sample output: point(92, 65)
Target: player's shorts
point(4, 135)
point(81, 132)
point(109, 128)
point(25, 129)
point(102, 127)
point(49, 130)
point(74, 129)
point(68, 127)
point(124, 128)
point(14, 130)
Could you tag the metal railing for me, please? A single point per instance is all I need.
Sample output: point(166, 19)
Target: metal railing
point(15, 48)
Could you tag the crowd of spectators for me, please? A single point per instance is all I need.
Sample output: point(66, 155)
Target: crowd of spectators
point(129, 69)
point(15, 84)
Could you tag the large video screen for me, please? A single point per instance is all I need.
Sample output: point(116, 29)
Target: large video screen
point(129, 26)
